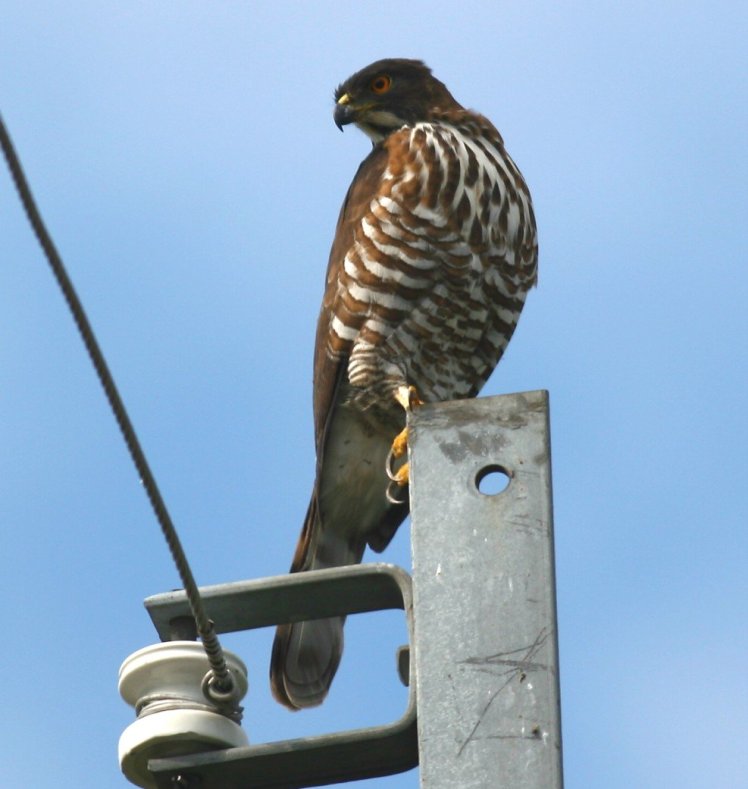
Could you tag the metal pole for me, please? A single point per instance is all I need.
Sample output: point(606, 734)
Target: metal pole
point(485, 647)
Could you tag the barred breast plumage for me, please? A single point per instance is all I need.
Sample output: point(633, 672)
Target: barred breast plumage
point(434, 253)
point(433, 284)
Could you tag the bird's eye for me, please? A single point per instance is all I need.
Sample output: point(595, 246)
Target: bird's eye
point(381, 84)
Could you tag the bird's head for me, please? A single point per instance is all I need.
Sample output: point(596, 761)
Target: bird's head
point(388, 95)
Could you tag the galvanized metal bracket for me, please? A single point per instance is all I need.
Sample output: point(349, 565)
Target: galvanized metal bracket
point(485, 646)
point(309, 761)
point(482, 620)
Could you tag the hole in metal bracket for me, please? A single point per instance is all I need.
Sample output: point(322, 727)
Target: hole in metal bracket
point(492, 480)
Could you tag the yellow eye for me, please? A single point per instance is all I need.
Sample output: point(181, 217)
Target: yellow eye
point(381, 84)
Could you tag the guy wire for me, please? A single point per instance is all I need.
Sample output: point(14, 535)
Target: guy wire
point(222, 678)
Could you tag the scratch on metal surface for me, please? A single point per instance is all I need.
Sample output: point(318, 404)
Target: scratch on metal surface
point(515, 668)
point(531, 526)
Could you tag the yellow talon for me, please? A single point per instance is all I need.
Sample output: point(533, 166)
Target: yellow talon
point(400, 443)
point(398, 480)
point(408, 398)
point(402, 476)
point(399, 477)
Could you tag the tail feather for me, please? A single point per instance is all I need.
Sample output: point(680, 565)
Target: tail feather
point(348, 509)
point(306, 655)
point(305, 658)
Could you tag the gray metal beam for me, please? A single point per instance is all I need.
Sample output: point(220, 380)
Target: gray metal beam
point(307, 761)
point(263, 602)
point(485, 647)
point(484, 657)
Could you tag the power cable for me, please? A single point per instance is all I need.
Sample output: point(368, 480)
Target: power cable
point(220, 685)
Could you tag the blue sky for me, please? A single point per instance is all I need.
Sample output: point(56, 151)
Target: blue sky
point(185, 159)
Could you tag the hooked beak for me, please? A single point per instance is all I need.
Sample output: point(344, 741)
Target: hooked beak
point(344, 113)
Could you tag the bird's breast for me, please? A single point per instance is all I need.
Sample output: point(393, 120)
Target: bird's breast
point(432, 286)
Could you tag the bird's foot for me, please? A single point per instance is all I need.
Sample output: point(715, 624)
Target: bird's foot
point(398, 476)
point(398, 481)
point(408, 398)
point(399, 444)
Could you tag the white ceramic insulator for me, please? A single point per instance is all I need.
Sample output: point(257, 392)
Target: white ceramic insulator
point(173, 671)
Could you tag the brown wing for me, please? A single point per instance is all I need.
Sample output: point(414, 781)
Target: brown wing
point(329, 368)
point(305, 658)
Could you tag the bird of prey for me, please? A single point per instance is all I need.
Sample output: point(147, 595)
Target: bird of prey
point(434, 252)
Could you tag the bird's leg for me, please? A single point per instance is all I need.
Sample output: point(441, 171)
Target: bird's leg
point(408, 398)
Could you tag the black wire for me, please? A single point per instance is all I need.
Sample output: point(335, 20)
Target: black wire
point(204, 625)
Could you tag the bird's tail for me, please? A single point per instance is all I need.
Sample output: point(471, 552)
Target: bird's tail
point(306, 654)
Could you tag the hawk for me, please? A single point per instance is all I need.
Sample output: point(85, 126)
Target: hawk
point(434, 252)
